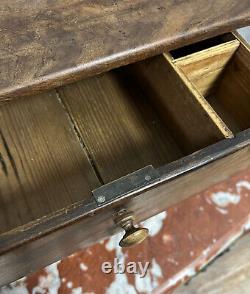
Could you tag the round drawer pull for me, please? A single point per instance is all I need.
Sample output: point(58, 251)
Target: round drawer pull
point(132, 235)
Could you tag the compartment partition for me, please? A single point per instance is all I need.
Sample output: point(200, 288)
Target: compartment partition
point(138, 115)
point(231, 97)
point(204, 67)
point(186, 113)
point(221, 73)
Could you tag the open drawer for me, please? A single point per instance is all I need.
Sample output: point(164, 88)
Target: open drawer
point(139, 138)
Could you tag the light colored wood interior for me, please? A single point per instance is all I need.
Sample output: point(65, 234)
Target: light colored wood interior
point(222, 75)
point(231, 97)
point(205, 67)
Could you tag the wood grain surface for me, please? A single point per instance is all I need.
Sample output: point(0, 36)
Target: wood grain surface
point(205, 67)
point(43, 166)
point(188, 116)
point(47, 43)
point(118, 124)
point(231, 97)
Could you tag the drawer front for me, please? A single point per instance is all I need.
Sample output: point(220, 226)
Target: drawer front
point(89, 227)
point(141, 138)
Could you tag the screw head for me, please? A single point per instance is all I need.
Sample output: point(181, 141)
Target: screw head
point(101, 199)
point(147, 178)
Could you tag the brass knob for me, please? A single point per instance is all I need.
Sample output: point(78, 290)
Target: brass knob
point(132, 235)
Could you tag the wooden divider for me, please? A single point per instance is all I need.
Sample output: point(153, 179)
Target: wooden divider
point(192, 121)
point(222, 75)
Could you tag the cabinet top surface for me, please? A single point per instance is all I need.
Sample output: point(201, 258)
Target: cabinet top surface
point(48, 43)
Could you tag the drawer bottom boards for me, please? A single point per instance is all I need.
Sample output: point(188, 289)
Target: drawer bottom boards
point(186, 113)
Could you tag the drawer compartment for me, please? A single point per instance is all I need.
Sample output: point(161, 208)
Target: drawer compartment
point(220, 70)
point(59, 146)
point(127, 120)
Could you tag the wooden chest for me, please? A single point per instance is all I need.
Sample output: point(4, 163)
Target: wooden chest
point(108, 107)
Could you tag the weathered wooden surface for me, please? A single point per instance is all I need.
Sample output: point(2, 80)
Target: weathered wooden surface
point(178, 248)
point(188, 116)
point(229, 274)
point(38, 252)
point(47, 43)
point(43, 166)
point(231, 98)
point(119, 126)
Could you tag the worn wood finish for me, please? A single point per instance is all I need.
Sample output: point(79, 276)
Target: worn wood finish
point(74, 212)
point(118, 125)
point(175, 191)
point(187, 114)
point(229, 274)
point(66, 240)
point(231, 98)
point(205, 67)
point(47, 43)
point(43, 166)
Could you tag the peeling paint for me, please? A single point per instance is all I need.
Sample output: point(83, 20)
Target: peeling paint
point(151, 280)
point(247, 225)
point(188, 272)
point(206, 251)
point(242, 184)
point(145, 284)
point(83, 267)
point(120, 284)
point(113, 242)
point(223, 199)
point(167, 238)
point(221, 210)
point(77, 290)
point(201, 261)
point(234, 237)
point(167, 268)
point(208, 200)
point(155, 223)
point(172, 260)
point(49, 283)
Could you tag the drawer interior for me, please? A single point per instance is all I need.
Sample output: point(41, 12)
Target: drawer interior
point(220, 70)
point(56, 147)
point(120, 123)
